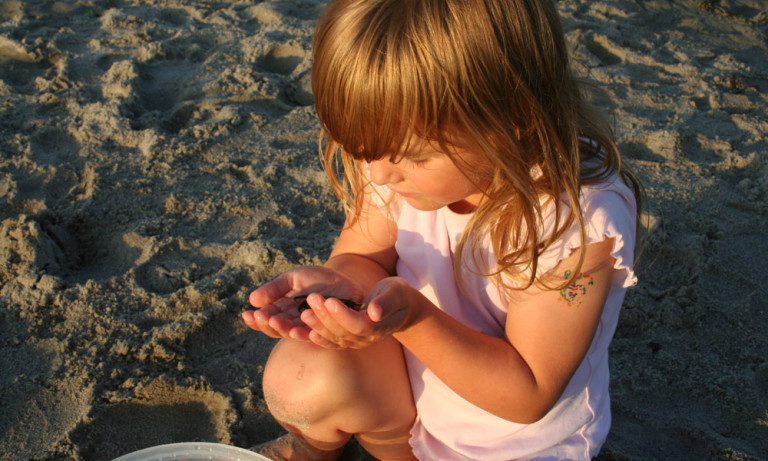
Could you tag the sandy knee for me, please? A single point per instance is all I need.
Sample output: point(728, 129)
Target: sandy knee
point(289, 384)
point(314, 389)
point(304, 385)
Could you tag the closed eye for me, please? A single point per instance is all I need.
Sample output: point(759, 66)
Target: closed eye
point(419, 161)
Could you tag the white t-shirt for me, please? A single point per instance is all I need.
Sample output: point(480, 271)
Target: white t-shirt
point(449, 427)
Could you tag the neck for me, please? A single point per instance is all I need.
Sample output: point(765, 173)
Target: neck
point(467, 205)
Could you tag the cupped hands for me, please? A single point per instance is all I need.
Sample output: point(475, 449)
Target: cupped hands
point(329, 323)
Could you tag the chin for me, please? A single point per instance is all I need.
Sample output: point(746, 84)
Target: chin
point(424, 206)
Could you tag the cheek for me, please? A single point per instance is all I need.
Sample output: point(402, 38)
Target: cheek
point(434, 183)
point(451, 186)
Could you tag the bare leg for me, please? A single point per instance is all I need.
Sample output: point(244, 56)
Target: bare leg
point(293, 446)
point(325, 396)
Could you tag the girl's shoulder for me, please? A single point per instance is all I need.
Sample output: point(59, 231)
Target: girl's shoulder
point(610, 212)
point(611, 193)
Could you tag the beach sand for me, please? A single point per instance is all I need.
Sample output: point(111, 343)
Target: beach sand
point(159, 161)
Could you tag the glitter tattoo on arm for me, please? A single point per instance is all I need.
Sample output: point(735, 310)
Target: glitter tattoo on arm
point(578, 287)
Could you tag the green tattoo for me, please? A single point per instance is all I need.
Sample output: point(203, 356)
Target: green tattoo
point(578, 287)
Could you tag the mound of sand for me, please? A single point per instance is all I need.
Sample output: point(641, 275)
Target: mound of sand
point(159, 161)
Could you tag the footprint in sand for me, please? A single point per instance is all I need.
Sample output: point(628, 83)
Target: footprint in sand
point(174, 267)
point(282, 59)
point(79, 250)
point(163, 95)
point(37, 406)
point(175, 16)
point(54, 146)
point(61, 172)
point(602, 48)
point(290, 60)
point(19, 68)
point(160, 412)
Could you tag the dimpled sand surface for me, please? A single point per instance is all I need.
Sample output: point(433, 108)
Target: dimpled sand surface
point(159, 161)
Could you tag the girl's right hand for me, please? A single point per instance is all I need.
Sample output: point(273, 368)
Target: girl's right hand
point(278, 315)
point(391, 306)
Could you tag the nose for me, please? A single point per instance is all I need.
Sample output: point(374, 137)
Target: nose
point(384, 172)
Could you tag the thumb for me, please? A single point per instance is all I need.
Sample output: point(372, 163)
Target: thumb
point(270, 291)
point(387, 298)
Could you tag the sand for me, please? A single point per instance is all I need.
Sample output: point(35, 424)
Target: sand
point(159, 162)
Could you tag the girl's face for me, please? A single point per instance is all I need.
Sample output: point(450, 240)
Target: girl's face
point(427, 179)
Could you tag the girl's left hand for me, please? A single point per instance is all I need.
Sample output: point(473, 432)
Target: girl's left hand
point(388, 308)
point(277, 314)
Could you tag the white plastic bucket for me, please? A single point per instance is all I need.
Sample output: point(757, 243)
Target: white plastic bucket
point(193, 451)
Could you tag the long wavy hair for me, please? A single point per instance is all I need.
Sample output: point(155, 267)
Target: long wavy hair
point(495, 71)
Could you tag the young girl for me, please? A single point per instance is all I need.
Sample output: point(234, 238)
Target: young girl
point(489, 240)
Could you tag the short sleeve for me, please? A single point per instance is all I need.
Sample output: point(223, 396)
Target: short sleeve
point(609, 212)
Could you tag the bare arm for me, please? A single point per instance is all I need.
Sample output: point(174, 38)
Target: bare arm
point(366, 250)
point(521, 377)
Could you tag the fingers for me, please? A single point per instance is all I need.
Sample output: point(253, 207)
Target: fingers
point(275, 326)
point(304, 280)
point(334, 324)
point(319, 340)
point(277, 315)
point(271, 291)
point(259, 321)
point(278, 320)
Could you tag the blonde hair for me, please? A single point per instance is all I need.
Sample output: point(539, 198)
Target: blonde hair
point(497, 72)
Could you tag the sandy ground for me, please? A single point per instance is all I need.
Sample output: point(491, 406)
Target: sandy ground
point(159, 161)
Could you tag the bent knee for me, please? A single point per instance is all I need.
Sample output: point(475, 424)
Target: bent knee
point(305, 384)
point(302, 369)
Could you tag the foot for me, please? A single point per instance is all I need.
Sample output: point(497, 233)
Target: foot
point(292, 447)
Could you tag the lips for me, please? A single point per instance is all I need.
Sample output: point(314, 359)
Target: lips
point(404, 194)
